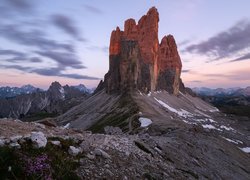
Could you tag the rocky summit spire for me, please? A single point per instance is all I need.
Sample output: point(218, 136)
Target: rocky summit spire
point(138, 61)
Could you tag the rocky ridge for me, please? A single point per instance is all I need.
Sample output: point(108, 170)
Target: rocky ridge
point(138, 61)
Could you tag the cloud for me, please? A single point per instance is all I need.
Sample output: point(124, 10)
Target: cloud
point(10, 8)
point(33, 38)
point(11, 52)
point(18, 67)
point(93, 9)
point(57, 72)
point(185, 71)
point(241, 75)
point(49, 72)
point(226, 43)
point(35, 59)
point(98, 48)
point(184, 43)
point(16, 56)
point(12, 55)
point(242, 58)
point(78, 76)
point(65, 59)
point(67, 25)
point(22, 5)
point(196, 81)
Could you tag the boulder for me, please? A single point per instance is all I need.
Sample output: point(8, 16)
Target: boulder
point(15, 145)
point(56, 143)
point(2, 142)
point(38, 139)
point(73, 151)
point(100, 152)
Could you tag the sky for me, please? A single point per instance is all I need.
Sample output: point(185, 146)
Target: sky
point(42, 41)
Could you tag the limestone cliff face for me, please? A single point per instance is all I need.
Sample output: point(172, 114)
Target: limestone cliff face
point(138, 61)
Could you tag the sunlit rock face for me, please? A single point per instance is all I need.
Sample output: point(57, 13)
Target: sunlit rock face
point(138, 61)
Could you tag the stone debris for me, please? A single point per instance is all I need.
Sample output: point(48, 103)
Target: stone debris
point(112, 130)
point(142, 156)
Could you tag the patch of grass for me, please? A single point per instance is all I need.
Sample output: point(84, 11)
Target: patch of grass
point(119, 117)
point(38, 116)
point(31, 163)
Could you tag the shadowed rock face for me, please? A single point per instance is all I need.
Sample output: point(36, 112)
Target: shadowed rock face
point(138, 61)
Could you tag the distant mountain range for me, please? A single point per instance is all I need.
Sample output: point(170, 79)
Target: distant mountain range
point(8, 92)
point(232, 100)
point(203, 91)
point(34, 103)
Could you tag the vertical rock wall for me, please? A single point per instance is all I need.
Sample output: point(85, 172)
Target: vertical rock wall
point(138, 61)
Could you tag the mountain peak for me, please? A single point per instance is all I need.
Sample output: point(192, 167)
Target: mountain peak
point(138, 61)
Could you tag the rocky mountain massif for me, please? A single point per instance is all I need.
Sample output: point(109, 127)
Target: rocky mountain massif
point(151, 127)
point(38, 104)
point(138, 61)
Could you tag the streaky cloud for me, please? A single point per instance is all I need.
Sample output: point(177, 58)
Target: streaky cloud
point(93, 9)
point(67, 25)
point(226, 43)
point(242, 58)
point(65, 59)
point(32, 38)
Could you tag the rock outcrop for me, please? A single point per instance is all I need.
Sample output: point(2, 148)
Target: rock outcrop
point(138, 61)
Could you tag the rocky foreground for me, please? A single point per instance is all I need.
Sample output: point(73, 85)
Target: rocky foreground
point(32, 150)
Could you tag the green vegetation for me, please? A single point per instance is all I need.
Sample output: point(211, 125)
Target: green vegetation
point(239, 110)
point(51, 162)
point(120, 116)
point(38, 116)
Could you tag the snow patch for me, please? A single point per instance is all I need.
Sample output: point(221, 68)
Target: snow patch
point(182, 112)
point(233, 141)
point(188, 122)
point(208, 126)
point(246, 149)
point(196, 110)
point(226, 128)
point(200, 120)
point(61, 90)
point(145, 122)
point(214, 110)
point(140, 93)
point(211, 120)
point(66, 126)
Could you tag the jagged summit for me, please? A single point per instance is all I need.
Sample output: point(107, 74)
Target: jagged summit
point(138, 61)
